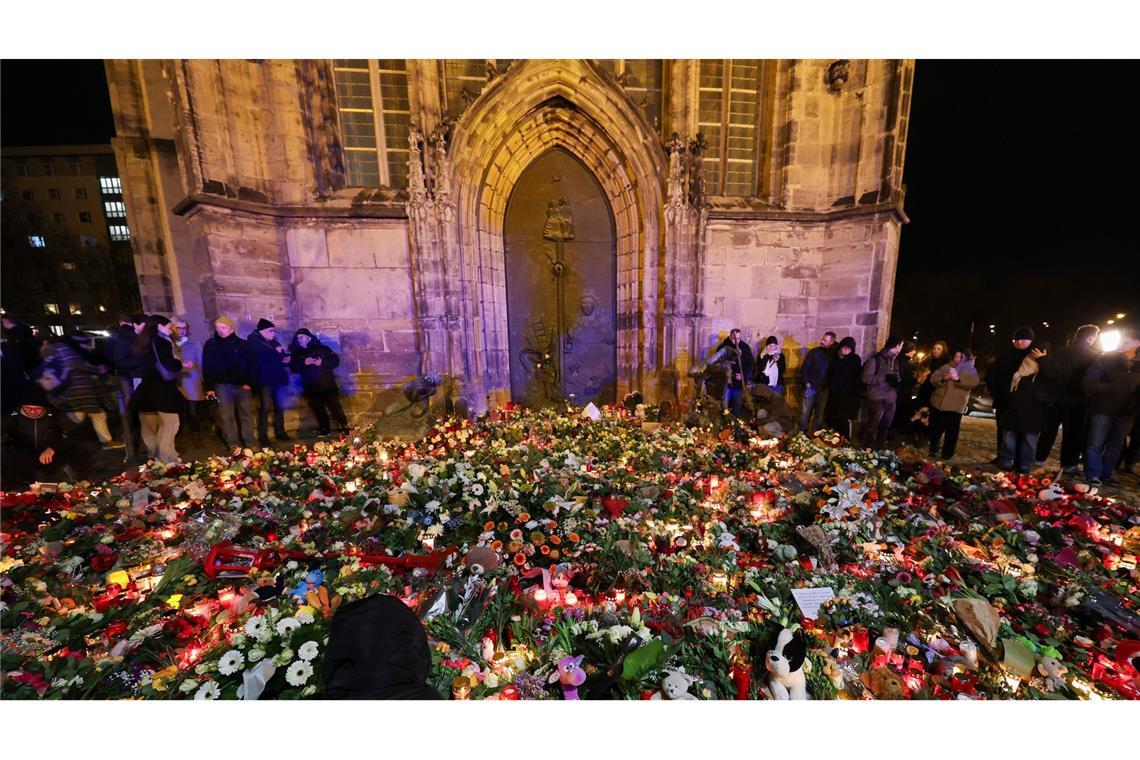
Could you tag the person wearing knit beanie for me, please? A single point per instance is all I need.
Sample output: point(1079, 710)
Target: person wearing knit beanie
point(227, 322)
point(229, 370)
point(265, 324)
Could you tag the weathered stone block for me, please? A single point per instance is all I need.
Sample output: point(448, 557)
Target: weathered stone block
point(307, 247)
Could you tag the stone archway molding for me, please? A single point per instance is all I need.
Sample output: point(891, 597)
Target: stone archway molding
point(538, 105)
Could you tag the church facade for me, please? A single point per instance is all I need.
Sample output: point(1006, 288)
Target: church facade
point(527, 229)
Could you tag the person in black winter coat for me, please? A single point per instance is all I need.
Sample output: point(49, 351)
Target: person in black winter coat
point(740, 372)
point(41, 444)
point(21, 339)
point(377, 649)
point(158, 399)
point(229, 370)
point(272, 361)
point(1025, 411)
point(1000, 374)
point(13, 378)
point(315, 362)
point(881, 377)
point(1113, 385)
point(843, 388)
point(770, 366)
point(814, 375)
point(1071, 410)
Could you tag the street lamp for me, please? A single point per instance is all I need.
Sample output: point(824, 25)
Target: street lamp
point(1121, 315)
point(1110, 339)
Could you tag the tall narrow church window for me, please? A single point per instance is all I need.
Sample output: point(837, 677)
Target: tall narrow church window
point(372, 98)
point(642, 80)
point(729, 115)
point(463, 79)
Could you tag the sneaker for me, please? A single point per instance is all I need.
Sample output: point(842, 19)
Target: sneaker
point(1071, 470)
point(1111, 480)
point(1094, 481)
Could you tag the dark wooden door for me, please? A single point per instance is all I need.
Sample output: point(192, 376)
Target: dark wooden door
point(561, 270)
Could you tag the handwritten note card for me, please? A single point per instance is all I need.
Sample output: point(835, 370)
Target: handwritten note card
point(809, 599)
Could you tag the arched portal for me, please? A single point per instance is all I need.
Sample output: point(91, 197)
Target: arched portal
point(560, 279)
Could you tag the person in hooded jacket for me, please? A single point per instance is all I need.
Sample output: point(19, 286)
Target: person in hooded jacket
point(814, 373)
point(952, 385)
point(20, 339)
point(1113, 385)
point(272, 362)
point(229, 370)
point(315, 362)
point(881, 376)
point(377, 649)
point(1072, 408)
point(843, 388)
point(43, 444)
point(740, 370)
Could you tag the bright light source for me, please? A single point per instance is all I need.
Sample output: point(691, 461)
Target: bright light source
point(1110, 340)
point(1112, 321)
point(1121, 315)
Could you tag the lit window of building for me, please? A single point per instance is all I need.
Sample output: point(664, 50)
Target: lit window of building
point(85, 217)
point(51, 308)
point(729, 118)
point(75, 308)
point(102, 309)
point(37, 241)
point(120, 232)
point(57, 330)
point(68, 266)
point(53, 193)
point(372, 100)
point(80, 193)
point(110, 185)
point(115, 209)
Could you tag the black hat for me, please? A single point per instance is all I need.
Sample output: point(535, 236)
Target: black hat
point(264, 324)
point(849, 342)
point(771, 341)
point(33, 395)
point(1023, 333)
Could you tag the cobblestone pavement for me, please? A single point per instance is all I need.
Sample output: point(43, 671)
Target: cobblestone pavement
point(976, 447)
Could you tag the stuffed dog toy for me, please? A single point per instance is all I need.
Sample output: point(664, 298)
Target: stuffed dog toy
point(788, 665)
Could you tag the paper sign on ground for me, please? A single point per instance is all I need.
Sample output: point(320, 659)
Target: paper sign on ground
point(809, 599)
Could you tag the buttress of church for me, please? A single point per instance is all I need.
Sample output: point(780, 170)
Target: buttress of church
point(529, 230)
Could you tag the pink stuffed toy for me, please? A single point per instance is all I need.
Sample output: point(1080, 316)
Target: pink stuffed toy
point(569, 673)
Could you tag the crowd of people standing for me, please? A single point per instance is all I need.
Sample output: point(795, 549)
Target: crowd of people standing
point(60, 395)
point(1093, 398)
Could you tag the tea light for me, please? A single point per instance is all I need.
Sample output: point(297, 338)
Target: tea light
point(570, 599)
point(619, 595)
point(540, 596)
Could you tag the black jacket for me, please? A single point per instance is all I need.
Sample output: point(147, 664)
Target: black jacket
point(154, 393)
point(123, 357)
point(1112, 383)
point(1071, 364)
point(763, 364)
point(1026, 410)
point(815, 366)
point(54, 430)
point(314, 378)
point(270, 370)
point(377, 650)
point(22, 340)
point(1000, 375)
point(843, 387)
point(746, 362)
point(228, 361)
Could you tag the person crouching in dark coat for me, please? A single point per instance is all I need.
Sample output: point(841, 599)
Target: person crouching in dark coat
point(377, 649)
point(843, 388)
point(44, 444)
point(740, 370)
point(315, 362)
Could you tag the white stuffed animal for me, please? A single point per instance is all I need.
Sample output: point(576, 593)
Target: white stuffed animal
point(675, 686)
point(788, 666)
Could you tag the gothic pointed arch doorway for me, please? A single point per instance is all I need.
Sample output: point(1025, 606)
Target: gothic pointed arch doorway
point(560, 280)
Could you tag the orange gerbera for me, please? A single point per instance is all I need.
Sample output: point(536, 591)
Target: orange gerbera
point(555, 554)
point(573, 537)
point(489, 525)
point(537, 538)
point(555, 540)
point(514, 546)
point(524, 517)
point(520, 559)
point(544, 549)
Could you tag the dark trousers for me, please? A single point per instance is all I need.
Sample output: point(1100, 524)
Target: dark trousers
point(736, 401)
point(127, 418)
point(1105, 444)
point(1132, 453)
point(324, 403)
point(882, 412)
point(21, 467)
point(1073, 421)
point(272, 397)
point(191, 416)
point(948, 423)
point(1017, 450)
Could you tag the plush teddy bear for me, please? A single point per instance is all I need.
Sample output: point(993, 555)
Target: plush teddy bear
point(788, 666)
point(675, 686)
point(883, 683)
point(481, 560)
point(1053, 670)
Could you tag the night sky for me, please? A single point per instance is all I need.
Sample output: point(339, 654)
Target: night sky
point(1021, 187)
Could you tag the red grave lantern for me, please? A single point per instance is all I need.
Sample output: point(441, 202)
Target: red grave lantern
point(228, 561)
